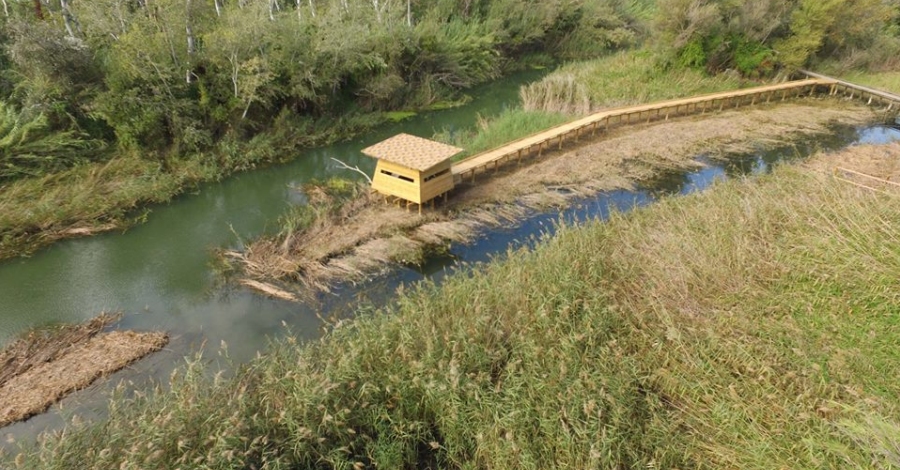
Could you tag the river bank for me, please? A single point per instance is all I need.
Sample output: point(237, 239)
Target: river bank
point(350, 240)
point(748, 326)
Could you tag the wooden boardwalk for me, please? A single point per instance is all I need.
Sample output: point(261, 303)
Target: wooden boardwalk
point(852, 90)
point(661, 110)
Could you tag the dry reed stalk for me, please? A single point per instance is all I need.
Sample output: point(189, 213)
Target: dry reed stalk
point(41, 369)
point(268, 289)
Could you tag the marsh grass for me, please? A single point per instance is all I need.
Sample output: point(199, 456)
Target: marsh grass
point(579, 88)
point(625, 78)
point(499, 130)
point(887, 81)
point(750, 326)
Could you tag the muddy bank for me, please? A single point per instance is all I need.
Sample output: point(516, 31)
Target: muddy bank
point(43, 367)
point(364, 236)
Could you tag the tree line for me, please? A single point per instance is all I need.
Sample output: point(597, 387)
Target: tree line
point(169, 77)
point(83, 80)
point(760, 37)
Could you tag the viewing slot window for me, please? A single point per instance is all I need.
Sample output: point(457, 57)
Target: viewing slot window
point(440, 173)
point(401, 177)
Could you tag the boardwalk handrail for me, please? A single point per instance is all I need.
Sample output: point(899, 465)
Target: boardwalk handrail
point(872, 91)
point(494, 156)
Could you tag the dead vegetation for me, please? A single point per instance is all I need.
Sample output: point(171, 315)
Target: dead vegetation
point(41, 368)
point(357, 238)
point(871, 167)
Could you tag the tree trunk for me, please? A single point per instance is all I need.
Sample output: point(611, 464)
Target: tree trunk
point(190, 41)
point(409, 13)
point(312, 8)
point(218, 7)
point(5, 8)
point(70, 22)
point(377, 10)
point(38, 11)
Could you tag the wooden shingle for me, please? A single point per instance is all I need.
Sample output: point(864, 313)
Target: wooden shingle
point(411, 151)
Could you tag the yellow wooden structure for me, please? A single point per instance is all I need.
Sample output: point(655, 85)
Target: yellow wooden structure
point(411, 168)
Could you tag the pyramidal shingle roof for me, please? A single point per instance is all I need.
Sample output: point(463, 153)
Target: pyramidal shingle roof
point(411, 151)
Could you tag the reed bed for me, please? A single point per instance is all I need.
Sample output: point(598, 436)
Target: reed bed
point(626, 78)
point(750, 326)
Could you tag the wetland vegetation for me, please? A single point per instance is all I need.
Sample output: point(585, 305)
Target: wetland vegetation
point(750, 326)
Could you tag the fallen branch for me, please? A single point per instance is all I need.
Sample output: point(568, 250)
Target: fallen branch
point(353, 168)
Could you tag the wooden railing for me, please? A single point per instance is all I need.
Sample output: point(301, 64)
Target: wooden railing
point(662, 110)
point(852, 90)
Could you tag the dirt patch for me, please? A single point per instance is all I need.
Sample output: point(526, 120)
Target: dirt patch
point(874, 167)
point(367, 236)
point(43, 367)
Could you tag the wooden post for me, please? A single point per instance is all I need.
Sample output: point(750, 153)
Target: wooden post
point(594, 130)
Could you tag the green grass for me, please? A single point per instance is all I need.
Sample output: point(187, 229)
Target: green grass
point(626, 78)
point(397, 116)
point(499, 130)
point(577, 89)
point(751, 326)
point(887, 81)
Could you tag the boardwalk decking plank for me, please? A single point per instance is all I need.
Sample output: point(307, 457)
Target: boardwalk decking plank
point(494, 156)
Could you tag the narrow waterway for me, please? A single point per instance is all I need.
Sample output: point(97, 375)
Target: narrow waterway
point(159, 273)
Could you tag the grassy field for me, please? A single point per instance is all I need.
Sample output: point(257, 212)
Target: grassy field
point(626, 78)
point(750, 326)
point(887, 81)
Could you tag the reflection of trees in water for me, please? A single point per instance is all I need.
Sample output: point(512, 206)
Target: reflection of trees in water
point(760, 161)
point(666, 184)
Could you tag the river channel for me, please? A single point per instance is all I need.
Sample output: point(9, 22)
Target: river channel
point(159, 273)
